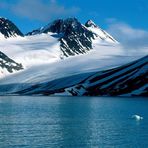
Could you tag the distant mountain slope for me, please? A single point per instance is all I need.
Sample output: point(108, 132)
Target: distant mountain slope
point(130, 80)
point(75, 38)
point(8, 29)
point(8, 65)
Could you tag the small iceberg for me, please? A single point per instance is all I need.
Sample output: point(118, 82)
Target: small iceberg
point(137, 117)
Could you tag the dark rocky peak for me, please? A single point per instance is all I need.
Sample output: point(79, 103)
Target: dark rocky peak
point(90, 23)
point(77, 39)
point(8, 28)
point(60, 26)
point(72, 25)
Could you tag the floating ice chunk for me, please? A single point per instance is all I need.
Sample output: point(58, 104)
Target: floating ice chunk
point(137, 117)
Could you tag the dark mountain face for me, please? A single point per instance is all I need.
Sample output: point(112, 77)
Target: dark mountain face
point(75, 38)
point(9, 29)
point(58, 26)
point(9, 64)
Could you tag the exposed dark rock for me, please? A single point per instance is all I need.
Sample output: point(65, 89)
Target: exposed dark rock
point(9, 64)
point(9, 29)
point(90, 23)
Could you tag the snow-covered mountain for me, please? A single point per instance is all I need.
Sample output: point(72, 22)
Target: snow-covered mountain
point(58, 40)
point(7, 65)
point(75, 38)
point(67, 57)
point(128, 80)
point(8, 29)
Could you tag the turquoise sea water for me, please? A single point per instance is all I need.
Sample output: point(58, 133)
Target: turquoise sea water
point(73, 122)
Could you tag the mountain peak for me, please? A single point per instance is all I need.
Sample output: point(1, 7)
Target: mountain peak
point(57, 26)
point(8, 28)
point(75, 38)
point(60, 25)
point(90, 23)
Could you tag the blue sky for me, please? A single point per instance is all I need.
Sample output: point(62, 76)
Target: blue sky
point(119, 17)
point(132, 12)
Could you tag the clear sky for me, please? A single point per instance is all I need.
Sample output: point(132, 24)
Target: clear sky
point(116, 16)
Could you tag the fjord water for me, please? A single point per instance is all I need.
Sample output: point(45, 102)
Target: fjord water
point(73, 122)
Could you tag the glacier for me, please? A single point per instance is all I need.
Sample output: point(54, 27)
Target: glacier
point(48, 71)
